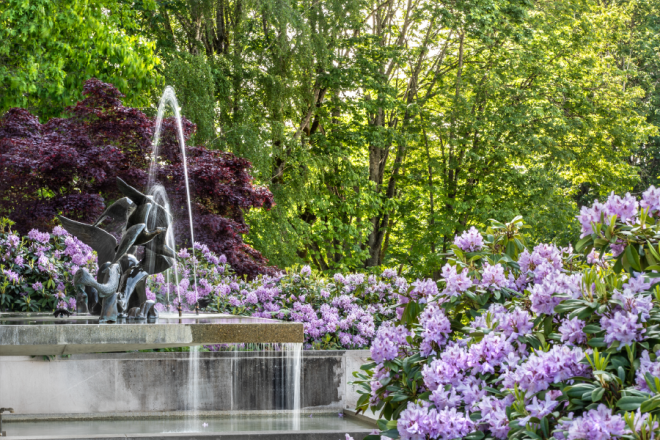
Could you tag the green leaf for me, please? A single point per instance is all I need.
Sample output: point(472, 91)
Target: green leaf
point(583, 242)
point(579, 390)
point(597, 394)
point(633, 257)
point(477, 435)
point(630, 403)
point(533, 435)
point(650, 404)
point(597, 342)
point(391, 433)
point(650, 247)
point(592, 328)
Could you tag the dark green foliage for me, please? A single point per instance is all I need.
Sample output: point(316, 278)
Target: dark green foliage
point(192, 78)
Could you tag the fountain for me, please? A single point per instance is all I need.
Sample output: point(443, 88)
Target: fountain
point(116, 294)
point(113, 314)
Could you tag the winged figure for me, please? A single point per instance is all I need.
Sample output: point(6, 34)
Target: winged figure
point(120, 274)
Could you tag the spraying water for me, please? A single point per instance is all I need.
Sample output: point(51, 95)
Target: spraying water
point(160, 197)
point(169, 98)
point(290, 354)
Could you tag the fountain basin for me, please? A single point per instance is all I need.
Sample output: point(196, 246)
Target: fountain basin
point(35, 334)
point(277, 426)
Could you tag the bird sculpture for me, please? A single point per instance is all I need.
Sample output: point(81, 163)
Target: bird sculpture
point(121, 279)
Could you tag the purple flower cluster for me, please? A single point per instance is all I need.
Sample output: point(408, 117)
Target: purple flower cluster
point(36, 263)
point(388, 342)
point(542, 369)
point(546, 295)
point(424, 289)
point(622, 327)
point(634, 303)
point(419, 420)
point(572, 331)
point(493, 415)
point(381, 373)
point(40, 237)
point(637, 284)
point(538, 409)
point(455, 282)
point(651, 200)
point(542, 261)
point(646, 365)
point(595, 424)
point(448, 369)
point(491, 352)
point(445, 397)
point(493, 277)
point(470, 240)
point(435, 329)
point(13, 277)
point(625, 208)
point(593, 257)
point(516, 322)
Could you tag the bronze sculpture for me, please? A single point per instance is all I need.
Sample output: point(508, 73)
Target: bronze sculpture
point(119, 289)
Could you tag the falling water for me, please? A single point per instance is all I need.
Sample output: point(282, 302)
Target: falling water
point(192, 421)
point(169, 98)
point(286, 386)
point(290, 354)
point(294, 367)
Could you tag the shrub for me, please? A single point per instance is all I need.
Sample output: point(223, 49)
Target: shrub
point(530, 345)
point(36, 274)
point(340, 313)
point(37, 269)
point(68, 166)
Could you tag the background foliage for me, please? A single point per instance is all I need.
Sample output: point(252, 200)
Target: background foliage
point(383, 129)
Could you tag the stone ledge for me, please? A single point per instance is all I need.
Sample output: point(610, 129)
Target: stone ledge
point(45, 336)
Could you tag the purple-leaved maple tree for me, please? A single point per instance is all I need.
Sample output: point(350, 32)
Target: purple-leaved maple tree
point(68, 166)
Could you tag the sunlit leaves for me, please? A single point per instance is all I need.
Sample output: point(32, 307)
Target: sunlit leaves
point(48, 48)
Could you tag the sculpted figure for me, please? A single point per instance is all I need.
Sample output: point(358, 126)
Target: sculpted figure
point(120, 281)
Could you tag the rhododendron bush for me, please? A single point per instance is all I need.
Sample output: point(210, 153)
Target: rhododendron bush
point(342, 312)
point(36, 274)
point(533, 343)
point(36, 270)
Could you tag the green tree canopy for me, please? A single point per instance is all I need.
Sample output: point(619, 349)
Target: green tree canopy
point(49, 48)
point(384, 128)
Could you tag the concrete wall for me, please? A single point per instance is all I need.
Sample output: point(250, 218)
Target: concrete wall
point(154, 382)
